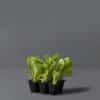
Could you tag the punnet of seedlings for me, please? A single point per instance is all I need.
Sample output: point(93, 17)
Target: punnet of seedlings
point(46, 73)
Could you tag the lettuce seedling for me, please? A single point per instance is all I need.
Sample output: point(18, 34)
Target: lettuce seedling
point(34, 67)
point(49, 65)
point(50, 68)
point(63, 67)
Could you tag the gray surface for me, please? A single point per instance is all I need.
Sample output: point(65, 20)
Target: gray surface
point(14, 86)
point(35, 27)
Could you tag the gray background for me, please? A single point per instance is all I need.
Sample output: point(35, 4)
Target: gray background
point(35, 27)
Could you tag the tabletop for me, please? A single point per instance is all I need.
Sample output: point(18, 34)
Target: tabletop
point(84, 85)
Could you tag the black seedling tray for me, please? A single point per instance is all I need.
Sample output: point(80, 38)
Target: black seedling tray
point(34, 86)
point(56, 89)
point(46, 87)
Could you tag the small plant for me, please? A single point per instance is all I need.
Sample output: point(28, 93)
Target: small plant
point(49, 63)
point(34, 69)
point(63, 68)
point(47, 73)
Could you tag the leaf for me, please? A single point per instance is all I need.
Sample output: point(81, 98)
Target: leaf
point(46, 56)
point(68, 61)
point(56, 77)
point(60, 65)
point(43, 77)
point(56, 56)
